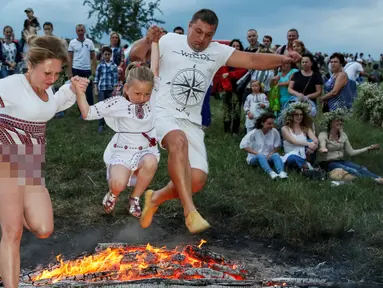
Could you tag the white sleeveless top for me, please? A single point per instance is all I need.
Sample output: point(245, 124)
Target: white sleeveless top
point(291, 149)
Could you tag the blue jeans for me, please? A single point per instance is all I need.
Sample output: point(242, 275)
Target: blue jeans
point(5, 72)
point(295, 162)
point(102, 95)
point(352, 168)
point(58, 114)
point(261, 161)
point(353, 93)
point(89, 89)
point(206, 113)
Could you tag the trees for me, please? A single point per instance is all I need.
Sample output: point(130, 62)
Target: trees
point(126, 17)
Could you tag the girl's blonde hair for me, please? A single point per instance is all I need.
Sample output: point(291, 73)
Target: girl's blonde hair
point(261, 85)
point(138, 71)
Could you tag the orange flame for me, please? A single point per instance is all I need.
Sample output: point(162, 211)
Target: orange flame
point(201, 243)
point(130, 263)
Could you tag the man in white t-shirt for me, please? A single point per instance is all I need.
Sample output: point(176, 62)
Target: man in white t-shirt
point(354, 70)
point(82, 59)
point(187, 66)
point(48, 30)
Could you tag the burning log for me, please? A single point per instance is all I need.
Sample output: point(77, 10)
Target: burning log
point(91, 277)
point(206, 273)
point(150, 258)
point(205, 255)
point(178, 258)
point(236, 271)
point(130, 258)
point(122, 262)
point(103, 246)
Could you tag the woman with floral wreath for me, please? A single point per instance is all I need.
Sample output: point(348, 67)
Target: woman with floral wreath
point(334, 144)
point(299, 138)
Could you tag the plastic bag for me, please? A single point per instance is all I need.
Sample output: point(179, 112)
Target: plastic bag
point(273, 96)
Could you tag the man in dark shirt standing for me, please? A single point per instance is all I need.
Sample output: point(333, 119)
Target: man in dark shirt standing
point(31, 21)
point(252, 38)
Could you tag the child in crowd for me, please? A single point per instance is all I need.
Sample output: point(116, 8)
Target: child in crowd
point(119, 89)
point(132, 155)
point(256, 104)
point(375, 75)
point(106, 79)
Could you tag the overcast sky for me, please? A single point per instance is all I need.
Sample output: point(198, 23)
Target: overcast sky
point(327, 26)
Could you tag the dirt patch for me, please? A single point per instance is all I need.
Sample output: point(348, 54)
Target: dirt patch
point(263, 260)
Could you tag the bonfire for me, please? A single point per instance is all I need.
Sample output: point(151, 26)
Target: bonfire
point(123, 263)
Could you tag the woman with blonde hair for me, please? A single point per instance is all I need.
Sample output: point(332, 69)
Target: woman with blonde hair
point(298, 135)
point(118, 56)
point(299, 47)
point(27, 102)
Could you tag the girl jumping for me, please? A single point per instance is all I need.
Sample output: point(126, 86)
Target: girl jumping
point(132, 155)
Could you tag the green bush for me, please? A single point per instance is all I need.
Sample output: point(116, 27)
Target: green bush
point(368, 106)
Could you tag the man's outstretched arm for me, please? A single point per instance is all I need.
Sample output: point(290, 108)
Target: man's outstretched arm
point(260, 61)
point(140, 50)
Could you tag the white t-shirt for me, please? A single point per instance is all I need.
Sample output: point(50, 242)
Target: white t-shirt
point(81, 53)
point(353, 70)
point(185, 76)
point(127, 52)
point(18, 100)
point(261, 143)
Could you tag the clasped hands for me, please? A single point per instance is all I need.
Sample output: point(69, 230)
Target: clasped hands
point(154, 34)
point(80, 83)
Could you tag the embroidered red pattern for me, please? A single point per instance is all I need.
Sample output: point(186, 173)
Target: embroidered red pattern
point(5, 137)
point(140, 113)
point(24, 130)
point(1, 103)
point(152, 141)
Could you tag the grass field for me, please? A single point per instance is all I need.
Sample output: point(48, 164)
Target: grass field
point(345, 220)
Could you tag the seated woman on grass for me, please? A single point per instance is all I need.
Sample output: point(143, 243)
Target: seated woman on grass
point(262, 145)
point(298, 135)
point(334, 144)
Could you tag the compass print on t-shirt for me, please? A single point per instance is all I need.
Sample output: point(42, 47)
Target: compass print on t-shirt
point(188, 87)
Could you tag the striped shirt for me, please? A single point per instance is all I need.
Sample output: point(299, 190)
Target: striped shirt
point(263, 76)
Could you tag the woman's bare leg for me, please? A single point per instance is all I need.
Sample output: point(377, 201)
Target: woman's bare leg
point(38, 211)
point(11, 222)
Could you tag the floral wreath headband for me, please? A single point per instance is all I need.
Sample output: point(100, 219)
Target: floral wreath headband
point(295, 106)
point(328, 117)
